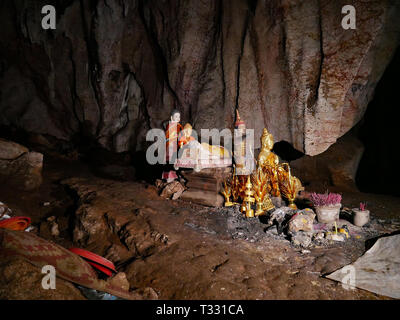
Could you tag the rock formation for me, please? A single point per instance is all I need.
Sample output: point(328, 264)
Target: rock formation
point(20, 168)
point(113, 69)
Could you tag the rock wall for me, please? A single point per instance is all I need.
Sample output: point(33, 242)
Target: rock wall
point(113, 69)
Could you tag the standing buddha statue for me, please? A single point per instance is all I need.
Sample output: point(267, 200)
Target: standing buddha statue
point(172, 132)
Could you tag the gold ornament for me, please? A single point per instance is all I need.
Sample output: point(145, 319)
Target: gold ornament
point(227, 194)
point(248, 199)
point(288, 184)
point(260, 187)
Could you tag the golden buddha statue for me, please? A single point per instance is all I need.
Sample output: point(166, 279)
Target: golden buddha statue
point(269, 162)
point(270, 178)
point(266, 156)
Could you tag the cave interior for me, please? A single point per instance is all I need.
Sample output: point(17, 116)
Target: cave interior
point(78, 101)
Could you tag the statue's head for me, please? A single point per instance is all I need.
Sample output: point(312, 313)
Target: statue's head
point(175, 116)
point(187, 129)
point(267, 140)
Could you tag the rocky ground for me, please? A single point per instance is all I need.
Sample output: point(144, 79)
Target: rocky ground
point(181, 250)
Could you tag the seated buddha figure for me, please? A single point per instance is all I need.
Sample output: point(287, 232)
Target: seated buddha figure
point(185, 135)
point(269, 162)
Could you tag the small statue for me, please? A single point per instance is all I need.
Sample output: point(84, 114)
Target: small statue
point(266, 156)
point(186, 135)
point(281, 181)
point(226, 192)
point(172, 132)
point(248, 200)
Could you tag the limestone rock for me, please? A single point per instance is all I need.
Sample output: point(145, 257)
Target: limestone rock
point(277, 202)
point(302, 221)
point(302, 239)
point(19, 167)
point(319, 236)
point(172, 190)
point(107, 228)
point(279, 216)
point(148, 293)
point(10, 150)
point(4, 210)
point(338, 165)
point(287, 65)
point(119, 280)
point(20, 280)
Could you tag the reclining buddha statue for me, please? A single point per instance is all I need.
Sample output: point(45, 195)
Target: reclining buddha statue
point(184, 151)
point(193, 154)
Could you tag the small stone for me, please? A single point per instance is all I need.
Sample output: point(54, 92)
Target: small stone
point(159, 184)
point(51, 219)
point(54, 230)
point(277, 201)
point(19, 167)
point(319, 236)
point(335, 237)
point(272, 230)
point(302, 221)
point(173, 189)
point(120, 280)
point(279, 215)
point(149, 294)
point(302, 239)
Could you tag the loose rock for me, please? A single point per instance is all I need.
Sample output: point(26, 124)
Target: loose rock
point(302, 239)
point(19, 167)
point(302, 221)
point(172, 190)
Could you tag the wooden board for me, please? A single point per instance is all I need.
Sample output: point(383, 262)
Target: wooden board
point(206, 198)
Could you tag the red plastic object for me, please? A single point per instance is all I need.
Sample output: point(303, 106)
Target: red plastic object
point(96, 261)
point(16, 223)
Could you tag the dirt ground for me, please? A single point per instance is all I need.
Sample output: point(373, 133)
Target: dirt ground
point(200, 260)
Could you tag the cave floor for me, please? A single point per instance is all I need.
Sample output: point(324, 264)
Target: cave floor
point(200, 260)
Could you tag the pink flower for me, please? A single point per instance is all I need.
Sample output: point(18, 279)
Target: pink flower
point(363, 206)
point(325, 199)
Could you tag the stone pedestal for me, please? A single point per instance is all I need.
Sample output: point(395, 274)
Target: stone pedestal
point(204, 187)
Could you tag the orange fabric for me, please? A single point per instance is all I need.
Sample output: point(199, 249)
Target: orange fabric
point(16, 223)
point(172, 133)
